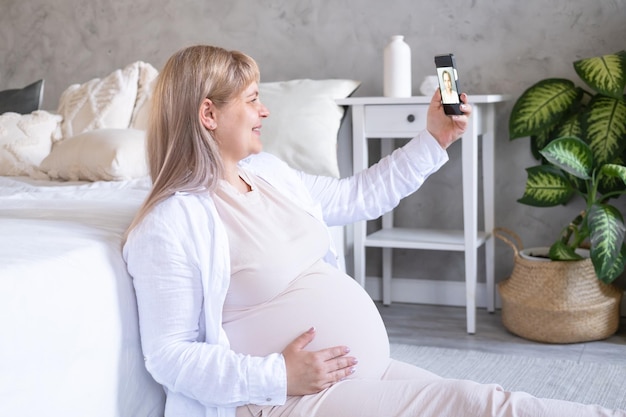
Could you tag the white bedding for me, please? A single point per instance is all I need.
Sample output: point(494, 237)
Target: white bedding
point(69, 340)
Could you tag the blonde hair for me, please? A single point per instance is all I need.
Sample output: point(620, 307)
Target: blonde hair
point(182, 153)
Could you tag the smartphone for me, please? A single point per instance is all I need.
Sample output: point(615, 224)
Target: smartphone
point(448, 83)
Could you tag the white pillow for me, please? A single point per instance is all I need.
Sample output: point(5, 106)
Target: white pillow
point(145, 88)
point(100, 103)
point(25, 140)
point(99, 155)
point(304, 121)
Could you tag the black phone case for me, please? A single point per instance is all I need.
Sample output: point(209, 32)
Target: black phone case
point(448, 61)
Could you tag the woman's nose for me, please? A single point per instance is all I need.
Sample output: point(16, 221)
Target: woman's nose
point(264, 112)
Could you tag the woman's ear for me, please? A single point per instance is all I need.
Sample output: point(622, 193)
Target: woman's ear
point(207, 114)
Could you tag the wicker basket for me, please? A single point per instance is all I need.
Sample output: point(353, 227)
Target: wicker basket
point(556, 301)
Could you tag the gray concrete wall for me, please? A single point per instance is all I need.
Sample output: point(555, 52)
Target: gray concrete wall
point(501, 47)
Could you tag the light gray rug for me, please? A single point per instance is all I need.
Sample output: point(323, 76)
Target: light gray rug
point(586, 382)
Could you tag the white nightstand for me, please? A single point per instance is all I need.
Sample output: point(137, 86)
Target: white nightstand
point(388, 118)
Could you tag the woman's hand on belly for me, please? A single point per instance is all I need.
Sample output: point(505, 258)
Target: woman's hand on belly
point(311, 372)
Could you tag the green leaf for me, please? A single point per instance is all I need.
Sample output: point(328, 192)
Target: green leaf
point(616, 269)
point(614, 171)
point(606, 227)
point(559, 251)
point(613, 178)
point(605, 125)
point(572, 126)
point(542, 105)
point(570, 154)
point(537, 143)
point(577, 183)
point(606, 74)
point(546, 186)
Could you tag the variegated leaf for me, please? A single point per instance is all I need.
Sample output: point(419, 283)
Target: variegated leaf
point(611, 185)
point(546, 186)
point(572, 126)
point(606, 227)
point(541, 106)
point(616, 269)
point(605, 74)
point(611, 178)
point(580, 184)
point(559, 251)
point(614, 171)
point(605, 125)
point(570, 154)
point(537, 143)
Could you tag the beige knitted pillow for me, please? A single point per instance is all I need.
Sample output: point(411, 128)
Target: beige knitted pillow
point(100, 103)
point(25, 140)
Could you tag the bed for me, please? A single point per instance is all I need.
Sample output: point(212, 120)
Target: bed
point(67, 306)
point(70, 183)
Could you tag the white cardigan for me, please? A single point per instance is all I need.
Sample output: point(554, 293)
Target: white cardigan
point(178, 257)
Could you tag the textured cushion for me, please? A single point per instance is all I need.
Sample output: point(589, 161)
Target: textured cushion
point(145, 87)
point(25, 140)
point(304, 121)
point(22, 100)
point(98, 155)
point(100, 103)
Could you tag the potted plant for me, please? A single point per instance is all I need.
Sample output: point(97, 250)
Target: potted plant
point(580, 138)
point(578, 134)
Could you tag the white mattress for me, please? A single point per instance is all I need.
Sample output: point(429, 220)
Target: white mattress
point(69, 339)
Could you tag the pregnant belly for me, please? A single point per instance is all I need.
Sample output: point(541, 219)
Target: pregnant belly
point(332, 302)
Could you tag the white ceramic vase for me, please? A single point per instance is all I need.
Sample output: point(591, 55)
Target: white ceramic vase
point(397, 68)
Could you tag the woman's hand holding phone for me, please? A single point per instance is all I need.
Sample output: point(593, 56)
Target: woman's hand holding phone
point(447, 129)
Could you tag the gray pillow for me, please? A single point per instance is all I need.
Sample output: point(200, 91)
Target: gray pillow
point(22, 100)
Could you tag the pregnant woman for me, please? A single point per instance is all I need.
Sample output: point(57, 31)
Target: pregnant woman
point(242, 309)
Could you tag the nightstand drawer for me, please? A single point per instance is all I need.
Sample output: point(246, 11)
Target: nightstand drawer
point(401, 119)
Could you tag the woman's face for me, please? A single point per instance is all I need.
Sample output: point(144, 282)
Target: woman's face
point(447, 81)
point(238, 125)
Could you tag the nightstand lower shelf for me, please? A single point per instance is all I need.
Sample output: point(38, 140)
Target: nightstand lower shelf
point(426, 239)
point(422, 239)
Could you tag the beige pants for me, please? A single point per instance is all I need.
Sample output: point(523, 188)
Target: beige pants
point(407, 391)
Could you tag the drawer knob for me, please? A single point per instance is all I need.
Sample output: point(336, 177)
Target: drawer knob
point(410, 118)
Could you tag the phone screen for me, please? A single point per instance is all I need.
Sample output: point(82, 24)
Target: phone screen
point(447, 84)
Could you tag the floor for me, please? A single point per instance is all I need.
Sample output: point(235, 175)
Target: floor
point(444, 326)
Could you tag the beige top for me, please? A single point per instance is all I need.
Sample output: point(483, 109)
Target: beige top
point(280, 286)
